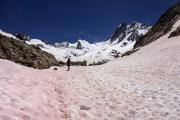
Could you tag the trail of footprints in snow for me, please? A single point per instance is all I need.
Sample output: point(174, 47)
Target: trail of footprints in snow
point(130, 99)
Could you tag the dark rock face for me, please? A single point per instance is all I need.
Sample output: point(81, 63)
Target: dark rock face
point(115, 53)
point(162, 27)
point(175, 33)
point(124, 29)
point(119, 32)
point(20, 52)
point(82, 63)
point(129, 52)
point(79, 46)
point(125, 43)
point(77, 63)
point(99, 63)
point(133, 36)
point(23, 37)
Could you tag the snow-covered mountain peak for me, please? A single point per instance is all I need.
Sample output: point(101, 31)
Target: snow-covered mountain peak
point(122, 41)
point(133, 30)
point(83, 44)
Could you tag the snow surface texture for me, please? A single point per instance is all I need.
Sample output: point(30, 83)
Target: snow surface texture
point(96, 52)
point(143, 86)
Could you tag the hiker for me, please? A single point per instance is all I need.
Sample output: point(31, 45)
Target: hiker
point(68, 64)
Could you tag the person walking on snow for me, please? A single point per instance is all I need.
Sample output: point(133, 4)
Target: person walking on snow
point(68, 64)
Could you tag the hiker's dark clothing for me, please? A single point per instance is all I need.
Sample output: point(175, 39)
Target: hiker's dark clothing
point(68, 63)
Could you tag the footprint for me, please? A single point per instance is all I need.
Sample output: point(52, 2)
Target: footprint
point(83, 107)
point(121, 118)
point(132, 113)
point(164, 114)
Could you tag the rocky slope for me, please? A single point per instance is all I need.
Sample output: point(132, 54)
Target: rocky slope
point(175, 32)
point(162, 27)
point(132, 31)
point(19, 51)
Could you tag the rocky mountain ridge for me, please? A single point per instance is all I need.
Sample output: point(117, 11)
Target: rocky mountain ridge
point(162, 27)
point(19, 51)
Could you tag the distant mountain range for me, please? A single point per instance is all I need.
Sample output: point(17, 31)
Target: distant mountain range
point(125, 38)
point(121, 41)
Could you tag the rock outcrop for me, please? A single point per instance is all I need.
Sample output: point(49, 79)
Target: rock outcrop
point(28, 55)
point(162, 27)
point(79, 45)
point(129, 31)
point(175, 32)
point(23, 37)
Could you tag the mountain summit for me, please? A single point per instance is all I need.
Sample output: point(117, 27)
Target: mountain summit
point(129, 31)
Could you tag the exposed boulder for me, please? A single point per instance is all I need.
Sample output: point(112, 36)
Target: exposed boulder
point(162, 27)
point(55, 68)
point(28, 55)
point(175, 32)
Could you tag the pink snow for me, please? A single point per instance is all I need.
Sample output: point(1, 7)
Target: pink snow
point(29, 94)
point(142, 86)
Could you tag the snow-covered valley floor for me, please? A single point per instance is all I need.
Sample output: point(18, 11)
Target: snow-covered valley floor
point(142, 86)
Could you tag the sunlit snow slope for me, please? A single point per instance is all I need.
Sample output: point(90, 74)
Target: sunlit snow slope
point(142, 86)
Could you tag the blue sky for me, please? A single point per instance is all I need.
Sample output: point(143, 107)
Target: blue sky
point(69, 20)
